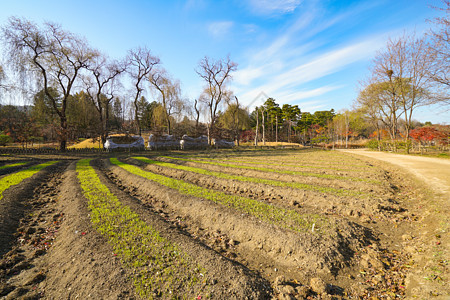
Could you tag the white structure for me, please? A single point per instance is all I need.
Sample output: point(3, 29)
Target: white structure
point(163, 142)
point(138, 143)
point(188, 142)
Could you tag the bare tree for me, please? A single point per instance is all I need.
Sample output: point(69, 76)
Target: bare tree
point(141, 63)
point(216, 74)
point(170, 94)
point(54, 56)
point(404, 66)
point(101, 87)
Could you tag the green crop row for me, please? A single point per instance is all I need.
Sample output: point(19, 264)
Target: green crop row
point(281, 217)
point(327, 176)
point(164, 271)
point(13, 165)
point(295, 185)
point(16, 178)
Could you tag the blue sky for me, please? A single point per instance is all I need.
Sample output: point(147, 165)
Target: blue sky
point(306, 52)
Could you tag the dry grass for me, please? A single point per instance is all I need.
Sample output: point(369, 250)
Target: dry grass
point(87, 143)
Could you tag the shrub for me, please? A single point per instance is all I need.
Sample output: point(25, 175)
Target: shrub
point(5, 139)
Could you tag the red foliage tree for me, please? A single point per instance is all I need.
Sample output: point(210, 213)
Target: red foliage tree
point(428, 134)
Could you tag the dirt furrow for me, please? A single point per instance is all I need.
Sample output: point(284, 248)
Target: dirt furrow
point(228, 279)
point(358, 186)
point(302, 255)
point(362, 209)
point(31, 213)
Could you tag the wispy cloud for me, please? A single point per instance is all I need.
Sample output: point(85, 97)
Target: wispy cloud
point(220, 29)
point(273, 7)
point(293, 66)
point(286, 83)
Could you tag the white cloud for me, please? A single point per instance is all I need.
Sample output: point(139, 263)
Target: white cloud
point(312, 106)
point(271, 7)
point(284, 84)
point(294, 97)
point(244, 77)
point(220, 29)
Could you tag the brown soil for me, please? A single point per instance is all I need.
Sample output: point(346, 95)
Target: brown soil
point(393, 243)
point(377, 200)
point(426, 241)
point(311, 253)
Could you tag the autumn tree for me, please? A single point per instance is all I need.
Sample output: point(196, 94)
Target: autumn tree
point(141, 63)
point(216, 74)
point(235, 119)
point(54, 56)
point(169, 92)
point(18, 123)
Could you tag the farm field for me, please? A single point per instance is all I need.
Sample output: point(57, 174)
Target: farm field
point(249, 224)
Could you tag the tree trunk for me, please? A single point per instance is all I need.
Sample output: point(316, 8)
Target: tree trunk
point(276, 128)
point(105, 126)
point(136, 118)
point(169, 131)
point(264, 129)
point(63, 142)
point(257, 127)
point(379, 137)
point(208, 132)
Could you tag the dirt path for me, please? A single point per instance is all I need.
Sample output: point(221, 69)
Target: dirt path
point(429, 243)
point(435, 172)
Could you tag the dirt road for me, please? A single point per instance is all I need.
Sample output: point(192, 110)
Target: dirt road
point(429, 242)
point(435, 172)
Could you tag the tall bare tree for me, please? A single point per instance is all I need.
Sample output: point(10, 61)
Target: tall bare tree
point(141, 63)
point(101, 87)
point(403, 65)
point(216, 75)
point(54, 56)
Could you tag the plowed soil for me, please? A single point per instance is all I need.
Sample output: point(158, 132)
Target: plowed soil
point(384, 235)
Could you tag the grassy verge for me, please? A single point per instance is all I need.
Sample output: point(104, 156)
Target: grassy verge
point(289, 219)
point(307, 174)
point(164, 271)
point(295, 185)
point(13, 165)
point(16, 178)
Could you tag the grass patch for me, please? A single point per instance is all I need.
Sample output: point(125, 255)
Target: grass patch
point(13, 165)
point(306, 174)
point(16, 178)
point(163, 270)
point(295, 185)
point(285, 218)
